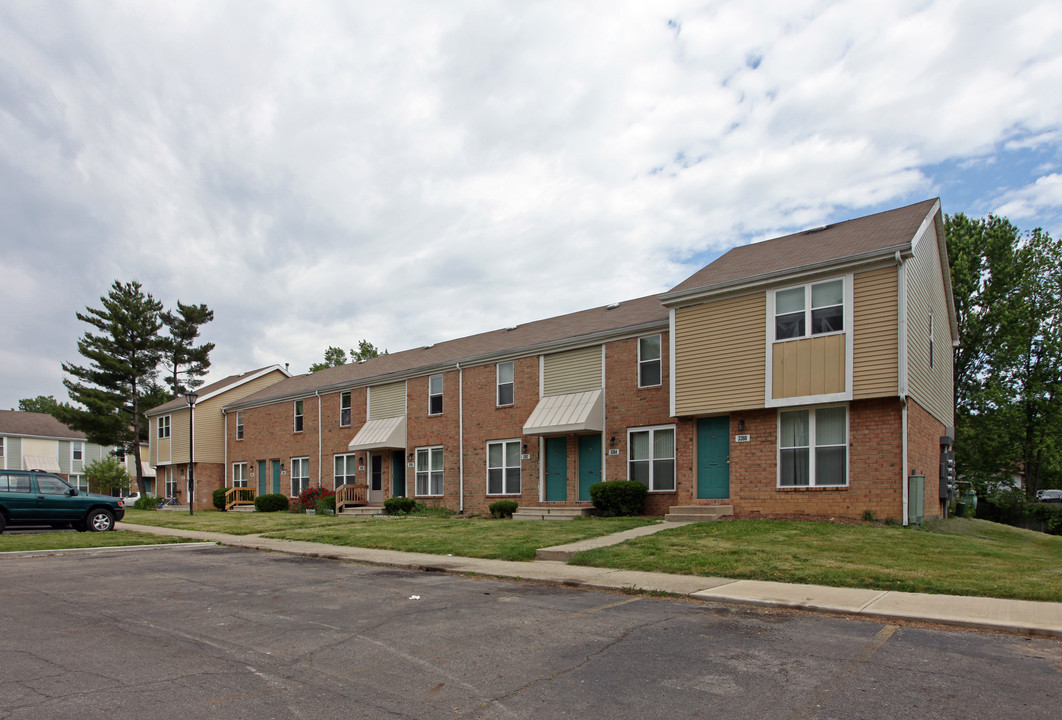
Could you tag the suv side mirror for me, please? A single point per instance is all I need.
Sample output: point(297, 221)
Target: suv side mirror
point(72, 492)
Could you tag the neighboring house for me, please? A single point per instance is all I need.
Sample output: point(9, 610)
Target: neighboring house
point(169, 428)
point(810, 374)
point(37, 441)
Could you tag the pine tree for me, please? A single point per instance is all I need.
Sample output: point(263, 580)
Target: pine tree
point(181, 355)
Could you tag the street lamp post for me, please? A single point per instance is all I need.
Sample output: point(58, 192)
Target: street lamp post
point(191, 397)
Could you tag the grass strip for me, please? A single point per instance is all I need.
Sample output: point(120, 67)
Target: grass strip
point(65, 540)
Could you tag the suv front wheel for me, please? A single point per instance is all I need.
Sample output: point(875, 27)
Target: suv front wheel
point(99, 521)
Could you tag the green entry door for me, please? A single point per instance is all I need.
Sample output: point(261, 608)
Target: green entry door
point(713, 457)
point(262, 479)
point(556, 469)
point(589, 463)
point(398, 474)
point(276, 476)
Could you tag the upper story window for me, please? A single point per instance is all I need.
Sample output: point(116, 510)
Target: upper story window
point(164, 427)
point(812, 309)
point(505, 383)
point(298, 416)
point(813, 447)
point(239, 425)
point(2, 441)
point(344, 409)
point(435, 395)
point(77, 451)
point(649, 373)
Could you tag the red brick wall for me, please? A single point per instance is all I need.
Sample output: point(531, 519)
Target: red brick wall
point(923, 452)
point(424, 430)
point(269, 434)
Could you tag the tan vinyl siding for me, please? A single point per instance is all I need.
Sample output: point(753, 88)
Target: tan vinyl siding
point(719, 355)
point(931, 387)
point(875, 342)
point(178, 437)
point(210, 429)
point(163, 450)
point(35, 447)
point(386, 401)
point(12, 453)
point(572, 371)
point(813, 366)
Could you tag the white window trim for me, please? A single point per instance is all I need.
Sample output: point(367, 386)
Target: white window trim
point(416, 471)
point(348, 408)
point(442, 383)
point(73, 445)
point(813, 446)
point(659, 360)
point(239, 425)
point(304, 463)
point(504, 468)
point(804, 400)
point(3, 453)
point(351, 461)
point(498, 384)
point(246, 481)
point(298, 413)
point(652, 429)
point(159, 427)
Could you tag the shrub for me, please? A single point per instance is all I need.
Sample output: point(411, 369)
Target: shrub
point(218, 498)
point(326, 504)
point(618, 497)
point(308, 498)
point(503, 508)
point(399, 505)
point(271, 502)
point(869, 515)
point(146, 502)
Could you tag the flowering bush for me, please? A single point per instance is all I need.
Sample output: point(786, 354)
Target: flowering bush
point(308, 497)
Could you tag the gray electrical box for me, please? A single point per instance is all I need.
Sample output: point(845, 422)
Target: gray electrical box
point(916, 499)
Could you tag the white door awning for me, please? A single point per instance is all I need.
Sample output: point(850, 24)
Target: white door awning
point(384, 433)
point(571, 413)
point(40, 462)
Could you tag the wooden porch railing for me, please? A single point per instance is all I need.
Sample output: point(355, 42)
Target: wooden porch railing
point(239, 496)
point(352, 495)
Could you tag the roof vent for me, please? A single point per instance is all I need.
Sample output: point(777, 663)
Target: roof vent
point(513, 327)
point(429, 347)
point(818, 229)
point(612, 306)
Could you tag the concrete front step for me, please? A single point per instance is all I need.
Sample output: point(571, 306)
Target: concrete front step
point(550, 513)
point(698, 513)
point(361, 511)
point(241, 508)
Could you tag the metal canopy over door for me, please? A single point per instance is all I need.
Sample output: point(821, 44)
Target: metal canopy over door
point(713, 457)
point(398, 474)
point(556, 469)
point(589, 464)
point(276, 476)
point(375, 478)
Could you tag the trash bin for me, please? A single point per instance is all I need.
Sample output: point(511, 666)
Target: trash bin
point(960, 509)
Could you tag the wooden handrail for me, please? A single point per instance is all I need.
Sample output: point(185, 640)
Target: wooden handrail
point(239, 496)
point(353, 495)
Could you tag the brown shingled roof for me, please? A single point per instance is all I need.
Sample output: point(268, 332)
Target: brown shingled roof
point(851, 238)
point(16, 422)
point(181, 402)
point(604, 319)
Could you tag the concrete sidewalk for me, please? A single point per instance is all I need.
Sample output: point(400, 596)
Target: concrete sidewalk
point(1017, 616)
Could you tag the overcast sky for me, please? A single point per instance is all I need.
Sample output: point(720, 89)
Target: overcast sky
point(410, 172)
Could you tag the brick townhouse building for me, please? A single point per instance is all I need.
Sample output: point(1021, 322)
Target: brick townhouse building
point(808, 374)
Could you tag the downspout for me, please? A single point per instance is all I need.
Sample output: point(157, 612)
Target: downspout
point(901, 361)
point(461, 435)
point(225, 452)
point(318, 393)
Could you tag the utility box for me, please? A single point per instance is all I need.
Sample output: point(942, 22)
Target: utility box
point(916, 499)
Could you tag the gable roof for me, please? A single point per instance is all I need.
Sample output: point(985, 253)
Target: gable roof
point(31, 424)
point(556, 333)
point(215, 388)
point(849, 241)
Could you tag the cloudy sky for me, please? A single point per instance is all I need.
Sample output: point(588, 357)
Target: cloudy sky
point(409, 172)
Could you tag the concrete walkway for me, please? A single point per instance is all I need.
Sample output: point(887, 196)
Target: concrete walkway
point(1017, 616)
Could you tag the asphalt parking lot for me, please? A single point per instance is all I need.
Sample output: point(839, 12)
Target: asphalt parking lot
point(212, 632)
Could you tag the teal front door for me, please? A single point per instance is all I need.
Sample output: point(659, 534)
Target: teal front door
point(556, 469)
point(276, 476)
point(262, 479)
point(398, 474)
point(713, 457)
point(589, 464)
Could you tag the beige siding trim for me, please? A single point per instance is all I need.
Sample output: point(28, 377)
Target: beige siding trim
point(931, 387)
point(210, 430)
point(719, 355)
point(387, 401)
point(571, 372)
point(179, 436)
point(813, 366)
point(163, 450)
point(875, 334)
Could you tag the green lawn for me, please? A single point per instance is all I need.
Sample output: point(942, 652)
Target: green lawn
point(63, 540)
point(957, 556)
point(232, 523)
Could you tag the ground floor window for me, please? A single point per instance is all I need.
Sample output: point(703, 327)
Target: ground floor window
point(651, 457)
point(503, 467)
point(430, 471)
point(171, 483)
point(300, 475)
point(345, 465)
point(80, 482)
point(813, 447)
point(239, 475)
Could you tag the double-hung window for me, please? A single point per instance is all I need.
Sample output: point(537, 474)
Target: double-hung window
point(171, 483)
point(300, 475)
point(164, 427)
point(435, 395)
point(298, 416)
point(503, 467)
point(649, 372)
point(344, 469)
point(80, 482)
point(77, 451)
point(344, 409)
point(239, 475)
point(813, 447)
point(808, 310)
point(505, 383)
point(651, 457)
point(239, 425)
point(430, 471)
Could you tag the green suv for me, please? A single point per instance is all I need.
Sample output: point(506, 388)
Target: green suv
point(32, 497)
